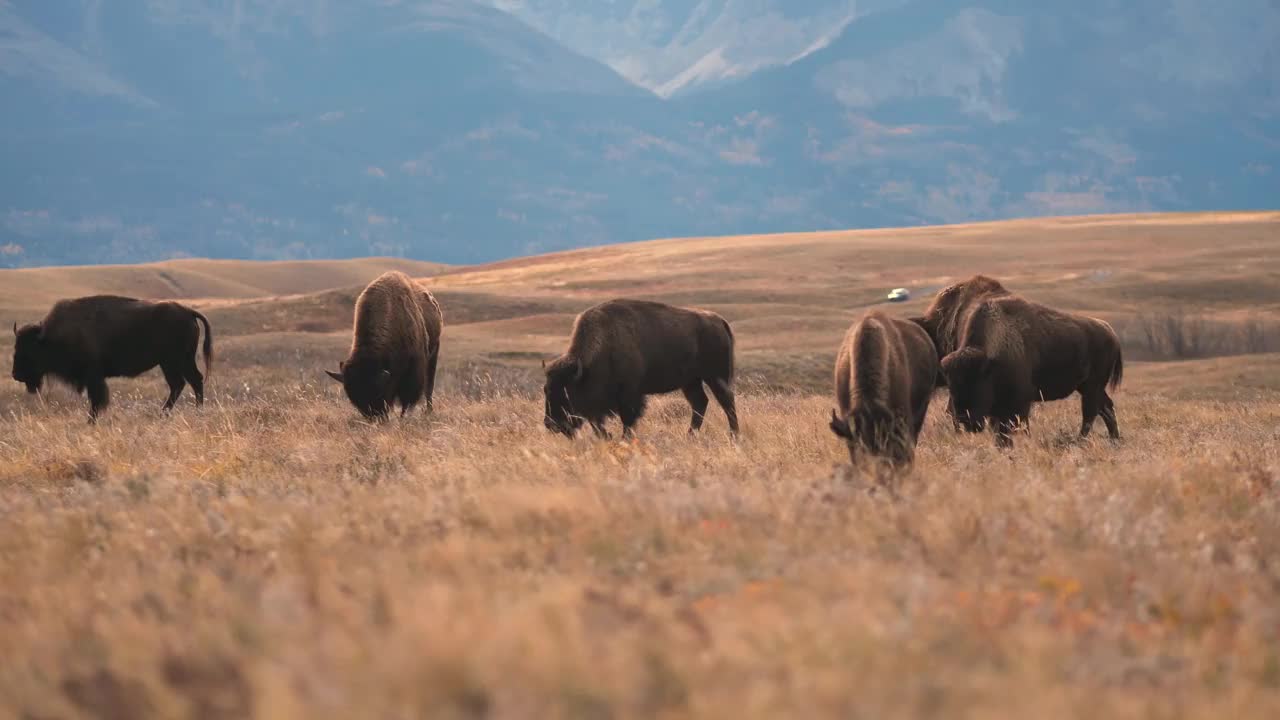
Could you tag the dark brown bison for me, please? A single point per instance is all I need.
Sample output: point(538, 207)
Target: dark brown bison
point(944, 318)
point(395, 347)
point(1014, 352)
point(886, 372)
point(86, 340)
point(623, 350)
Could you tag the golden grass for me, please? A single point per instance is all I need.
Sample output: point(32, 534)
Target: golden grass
point(270, 555)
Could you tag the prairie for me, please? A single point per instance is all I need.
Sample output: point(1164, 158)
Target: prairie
point(272, 555)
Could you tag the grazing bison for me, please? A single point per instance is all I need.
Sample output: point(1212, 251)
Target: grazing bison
point(394, 348)
point(1014, 352)
point(623, 350)
point(86, 340)
point(886, 372)
point(944, 318)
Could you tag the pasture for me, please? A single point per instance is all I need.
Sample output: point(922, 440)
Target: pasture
point(273, 555)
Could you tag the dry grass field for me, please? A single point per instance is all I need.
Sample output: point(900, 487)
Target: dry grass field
point(271, 555)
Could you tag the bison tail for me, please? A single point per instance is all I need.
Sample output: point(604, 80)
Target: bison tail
point(729, 331)
point(208, 343)
point(1117, 372)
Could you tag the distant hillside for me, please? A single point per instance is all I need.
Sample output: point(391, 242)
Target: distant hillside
point(196, 279)
point(451, 130)
point(1214, 277)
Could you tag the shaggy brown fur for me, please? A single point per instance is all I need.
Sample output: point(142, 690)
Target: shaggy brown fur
point(1015, 352)
point(885, 375)
point(433, 319)
point(395, 347)
point(945, 317)
point(623, 350)
point(86, 340)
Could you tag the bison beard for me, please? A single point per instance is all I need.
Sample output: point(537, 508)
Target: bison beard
point(623, 350)
point(86, 340)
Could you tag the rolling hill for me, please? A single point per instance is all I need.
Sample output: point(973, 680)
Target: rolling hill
point(790, 297)
point(194, 279)
point(272, 554)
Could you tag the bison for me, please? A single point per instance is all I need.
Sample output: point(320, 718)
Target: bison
point(395, 347)
point(623, 350)
point(944, 318)
point(886, 372)
point(83, 341)
point(1014, 352)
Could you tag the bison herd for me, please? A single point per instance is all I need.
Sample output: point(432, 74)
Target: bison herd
point(995, 352)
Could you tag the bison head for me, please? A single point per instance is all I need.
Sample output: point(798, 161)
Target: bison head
point(29, 362)
point(870, 428)
point(969, 376)
point(368, 386)
point(564, 377)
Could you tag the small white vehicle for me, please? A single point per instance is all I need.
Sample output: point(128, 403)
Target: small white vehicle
point(899, 295)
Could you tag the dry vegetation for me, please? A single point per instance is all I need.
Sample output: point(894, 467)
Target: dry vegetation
point(271, 555)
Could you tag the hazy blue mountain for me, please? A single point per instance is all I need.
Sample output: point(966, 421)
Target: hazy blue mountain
point(462, 130)
point(949, 111)
point(674, 46)
point(431, 128)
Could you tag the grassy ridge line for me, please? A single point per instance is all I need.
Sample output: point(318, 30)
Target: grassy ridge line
point(196, 278)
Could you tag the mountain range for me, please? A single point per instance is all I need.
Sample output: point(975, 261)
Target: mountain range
point(467, 130)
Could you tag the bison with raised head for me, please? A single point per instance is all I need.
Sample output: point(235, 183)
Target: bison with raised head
point(1014, 352)
point(623, 350)
point(945, 317)
point(395, 347)
point(886, 372)
point(84, 341)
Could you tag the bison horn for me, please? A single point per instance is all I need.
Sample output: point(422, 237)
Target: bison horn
point(840, 427)
point(544, 360)
point(581, 370)
point(15, 329)
point(334, 375)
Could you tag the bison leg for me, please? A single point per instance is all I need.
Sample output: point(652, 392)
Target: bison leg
point(99, 396)
point(193, 377)
point(951, 413)
point(1004, 428)
point(919, 414)
point(431, 378)
point(1089, 407)
point(723, 391)
point(597, 426)
point(173, 376)
point(917, 426)
point(697, 398)
point(1109, 416)
point(630, 408)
